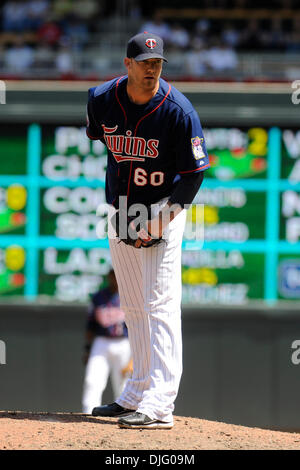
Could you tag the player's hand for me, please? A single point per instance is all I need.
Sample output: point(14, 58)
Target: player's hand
point(155, 227)
point(137, 233)
point(145, 237)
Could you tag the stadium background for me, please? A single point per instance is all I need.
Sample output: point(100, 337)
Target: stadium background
point(241, 291)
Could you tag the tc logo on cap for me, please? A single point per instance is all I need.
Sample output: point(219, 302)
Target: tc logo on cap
point(151, 43)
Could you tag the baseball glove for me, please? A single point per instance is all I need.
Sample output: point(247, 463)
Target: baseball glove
point(129, 231)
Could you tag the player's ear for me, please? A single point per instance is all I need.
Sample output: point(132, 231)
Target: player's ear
point(127, 62)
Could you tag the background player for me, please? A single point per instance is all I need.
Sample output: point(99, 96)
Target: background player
point(156, 157)
point(107, 349)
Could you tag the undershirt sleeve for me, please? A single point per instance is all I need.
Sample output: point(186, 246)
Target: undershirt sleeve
point(187, 188)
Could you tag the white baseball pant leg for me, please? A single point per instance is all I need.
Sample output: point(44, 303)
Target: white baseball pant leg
point(149, 282)
point(106, 356)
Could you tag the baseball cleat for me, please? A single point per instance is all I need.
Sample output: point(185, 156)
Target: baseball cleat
point(110, 411)
point(140, 421)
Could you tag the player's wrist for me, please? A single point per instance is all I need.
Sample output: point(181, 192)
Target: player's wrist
point(157, 225)
point(155, 228)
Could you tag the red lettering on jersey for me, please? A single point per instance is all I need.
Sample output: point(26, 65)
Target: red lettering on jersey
point(152, 151)
point(128, 142)
point(121, 158)
point(109, 130)
point(128, 148)
point(139, 146)
point(108, 141)
point(117, 143)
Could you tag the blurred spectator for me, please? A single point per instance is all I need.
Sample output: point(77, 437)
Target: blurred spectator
point(251, 36)
point(230, 35)
point(15, 16)
point(179, 37)
point(37, 11)
point(19, 57)
point(76, 31)
point(87, 9)
point(195, 59)
point(202, 28)
point(221, 57)
point(61, 8)
point(134, 9)
point(64, 60)
point(293, 38)
point(157, 26)
point(274, 38)
point(49, 32)
point(43, 56)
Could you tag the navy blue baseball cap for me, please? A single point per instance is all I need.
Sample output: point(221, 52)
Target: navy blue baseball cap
point(144, 46)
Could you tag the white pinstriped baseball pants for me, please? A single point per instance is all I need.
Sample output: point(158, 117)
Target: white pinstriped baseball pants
point(149, 282)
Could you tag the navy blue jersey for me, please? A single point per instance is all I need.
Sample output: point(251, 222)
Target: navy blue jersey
point(150, 145)
point(105, 318)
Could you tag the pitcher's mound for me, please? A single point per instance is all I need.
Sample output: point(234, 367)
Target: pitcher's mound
point(66, 431)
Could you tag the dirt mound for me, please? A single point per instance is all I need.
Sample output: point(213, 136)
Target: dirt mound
point(75, 431)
